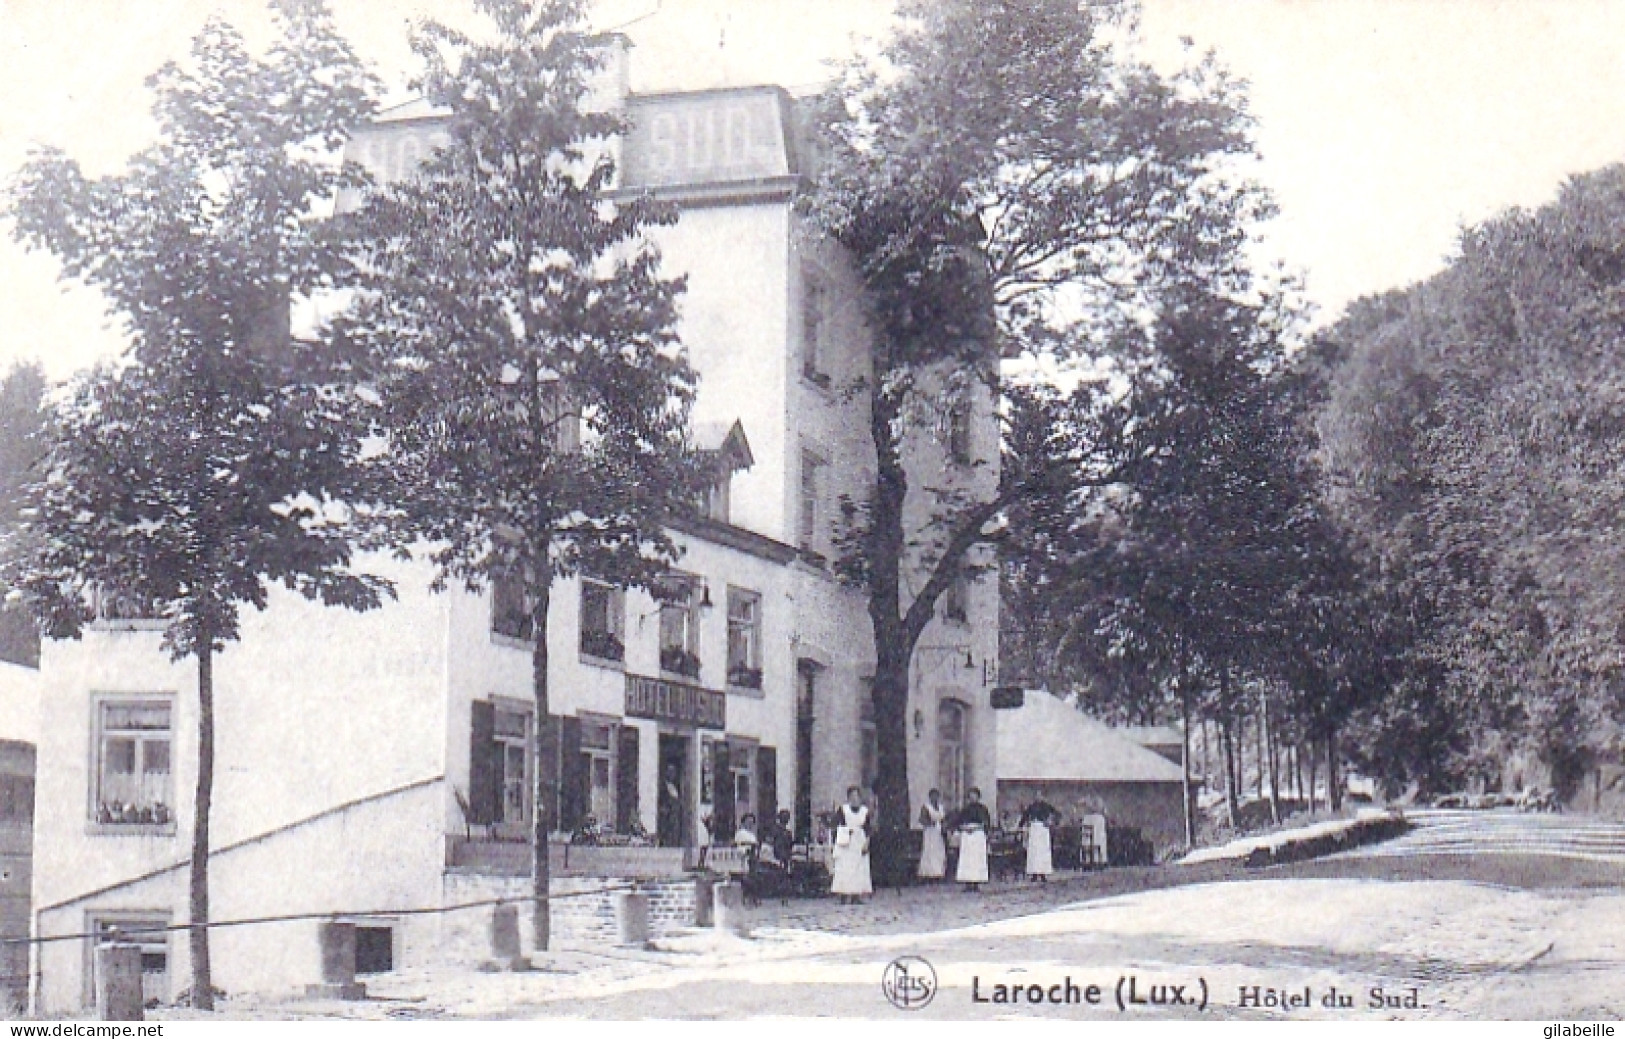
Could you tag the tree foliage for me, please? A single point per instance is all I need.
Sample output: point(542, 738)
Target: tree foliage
point(22, 445)
point(207, 464)
point(1008, 182)
point(1472, 434)
point(521, 339)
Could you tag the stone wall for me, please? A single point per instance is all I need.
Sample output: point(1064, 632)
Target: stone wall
point(583, 911)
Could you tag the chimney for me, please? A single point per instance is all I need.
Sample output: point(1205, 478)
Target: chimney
point(611, 82)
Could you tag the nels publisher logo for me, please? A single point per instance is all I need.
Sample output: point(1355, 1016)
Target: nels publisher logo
point(909, 982)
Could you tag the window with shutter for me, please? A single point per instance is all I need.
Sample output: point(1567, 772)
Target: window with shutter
point(767, 785)
point(626, 780)
point(722, 808)
point(484, 767)
point(572, 776)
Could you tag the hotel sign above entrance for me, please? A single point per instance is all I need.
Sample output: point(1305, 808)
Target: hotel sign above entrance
point(675, 702)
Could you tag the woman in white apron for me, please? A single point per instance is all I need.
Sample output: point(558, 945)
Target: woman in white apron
point(974, 822)
point(933, 850)
point(850, 866)
point(1039, 862)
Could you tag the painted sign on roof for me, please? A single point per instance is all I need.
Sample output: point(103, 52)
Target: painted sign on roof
point(708, 137)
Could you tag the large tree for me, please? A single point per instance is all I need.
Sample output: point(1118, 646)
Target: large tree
point(531, 385)
point(1005, 179)
point(1472, 435)
point(202, 468)
point(1174, 591)
point(22, 445)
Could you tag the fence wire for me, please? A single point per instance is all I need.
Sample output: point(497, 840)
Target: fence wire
point(331, 914)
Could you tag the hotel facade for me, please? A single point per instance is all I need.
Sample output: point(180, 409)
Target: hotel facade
point(379, 762)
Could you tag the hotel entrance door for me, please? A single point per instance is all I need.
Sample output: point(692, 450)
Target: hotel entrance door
point(675, 811)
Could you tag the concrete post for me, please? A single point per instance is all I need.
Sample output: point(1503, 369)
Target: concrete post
point(704, 899)
point(118, 982)
point(730, 908)
point(631, 918)
point(338, 963)
point(505, 947)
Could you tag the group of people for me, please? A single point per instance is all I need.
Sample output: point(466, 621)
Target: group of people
point(851, 877)
point(771, 846)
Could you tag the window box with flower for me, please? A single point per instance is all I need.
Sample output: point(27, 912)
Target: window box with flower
point(603, 646)
point(679, 661)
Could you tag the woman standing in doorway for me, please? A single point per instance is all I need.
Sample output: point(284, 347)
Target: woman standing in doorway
point(933, 850)
point(851, 880)
point(974, 822)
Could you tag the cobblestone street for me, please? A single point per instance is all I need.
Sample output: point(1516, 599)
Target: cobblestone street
point(1456, 918)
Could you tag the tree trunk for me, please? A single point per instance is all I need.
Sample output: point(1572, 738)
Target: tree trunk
point(894, 649)
point(1314, 764)
point(1207, 767)
point(1269, 755)
point(546, 740)
point(198, 933)
point(1295, 764)
point(890, 694)
point(1258, 756)
point(1334, 784)
point(1185, 761)
point(1232, 801)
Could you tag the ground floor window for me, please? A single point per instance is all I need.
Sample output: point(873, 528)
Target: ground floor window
point(598, 761)
point(374, 949)
point(742, 769)
point(145, 931)
point(513, 738)
point(953, 752)
point(500, 765)
point(598, 776)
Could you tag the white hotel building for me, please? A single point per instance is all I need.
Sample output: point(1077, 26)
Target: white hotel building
point(381, 761)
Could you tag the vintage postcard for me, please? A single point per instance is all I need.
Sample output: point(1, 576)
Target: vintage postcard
point(901, 510)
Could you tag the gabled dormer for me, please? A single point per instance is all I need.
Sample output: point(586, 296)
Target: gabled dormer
point(729, 452)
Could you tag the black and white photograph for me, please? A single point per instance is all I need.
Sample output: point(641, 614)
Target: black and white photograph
point(906, 511)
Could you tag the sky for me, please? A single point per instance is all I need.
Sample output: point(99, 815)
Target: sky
point(1385, 125)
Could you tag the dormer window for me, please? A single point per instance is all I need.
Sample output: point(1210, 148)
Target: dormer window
point(730, 452)
point(716, 499)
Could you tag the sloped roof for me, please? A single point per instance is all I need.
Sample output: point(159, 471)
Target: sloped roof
point(1152, 735)
point(726, 441)
point(1047, 738)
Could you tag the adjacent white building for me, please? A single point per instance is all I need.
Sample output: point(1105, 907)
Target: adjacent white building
point(19, 729)
point(376, 762)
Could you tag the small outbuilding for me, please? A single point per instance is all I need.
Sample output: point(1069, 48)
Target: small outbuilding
point(1049, 750)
